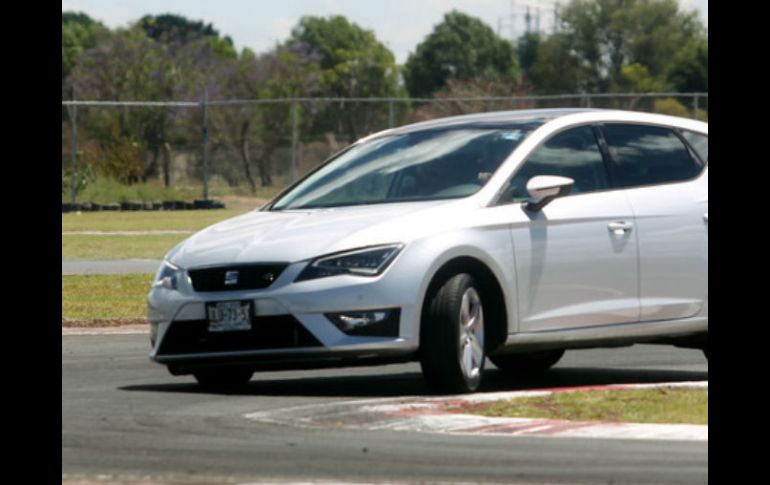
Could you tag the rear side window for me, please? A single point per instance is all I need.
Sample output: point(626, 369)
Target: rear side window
point(573, 153)
point(699, 142)
point(647, 155)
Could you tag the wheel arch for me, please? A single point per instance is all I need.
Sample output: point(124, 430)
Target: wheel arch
point(493, 296)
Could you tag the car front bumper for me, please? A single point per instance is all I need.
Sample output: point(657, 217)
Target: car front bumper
point(290, 328)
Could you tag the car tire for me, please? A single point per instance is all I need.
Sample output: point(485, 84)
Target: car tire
point(223, 379)
point(452, 337)
point(527, 363)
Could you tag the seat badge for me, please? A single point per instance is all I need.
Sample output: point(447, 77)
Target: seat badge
point(231, 278)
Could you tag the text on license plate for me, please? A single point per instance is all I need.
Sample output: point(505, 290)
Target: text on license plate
point(226, 316)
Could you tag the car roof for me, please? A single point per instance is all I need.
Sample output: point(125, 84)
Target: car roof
point(538, 117)
point(492, 119)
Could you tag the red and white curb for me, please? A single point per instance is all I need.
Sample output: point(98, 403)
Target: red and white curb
point(432, 415)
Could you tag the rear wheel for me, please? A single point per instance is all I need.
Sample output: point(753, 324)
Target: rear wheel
point(223, 379)
point(527, 363)
point(452, 337)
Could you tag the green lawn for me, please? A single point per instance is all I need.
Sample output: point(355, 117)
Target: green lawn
point(118, 247)
point(105, 297)
point(145, 220)
point(658, 405)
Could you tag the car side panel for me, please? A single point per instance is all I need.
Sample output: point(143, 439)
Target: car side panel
point(573, 271)
point(672, 226)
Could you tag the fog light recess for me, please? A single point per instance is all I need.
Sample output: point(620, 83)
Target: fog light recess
point(369, 323)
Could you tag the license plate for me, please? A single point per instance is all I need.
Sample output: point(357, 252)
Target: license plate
point(229, 316)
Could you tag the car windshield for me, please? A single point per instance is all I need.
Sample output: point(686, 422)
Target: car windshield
point(417, 166)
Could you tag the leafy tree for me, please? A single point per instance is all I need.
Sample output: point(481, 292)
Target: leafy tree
point(176, 29)
point(461, 47)
point(354, 64)
point(690, 70)
point(556, 70)
point(527, 48)
point(79, 32)
point(286, 72)
point(132, 66)
point(636, 78)
point(598, 38)
point(670, 106)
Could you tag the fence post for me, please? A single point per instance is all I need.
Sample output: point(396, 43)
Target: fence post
point(205, 128)
point(390, 113)
point(72, 110)
point(293, 140)
point(695, 106)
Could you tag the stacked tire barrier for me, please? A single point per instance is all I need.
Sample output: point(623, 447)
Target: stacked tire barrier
point(135, 205)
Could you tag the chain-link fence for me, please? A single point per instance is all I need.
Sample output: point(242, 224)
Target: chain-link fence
point(256, 147)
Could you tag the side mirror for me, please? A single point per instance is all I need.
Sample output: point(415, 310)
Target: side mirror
point(544, 188)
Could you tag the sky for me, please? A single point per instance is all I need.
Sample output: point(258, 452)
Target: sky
point(399, 24)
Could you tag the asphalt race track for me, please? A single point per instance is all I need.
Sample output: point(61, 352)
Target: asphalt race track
point(124, 418)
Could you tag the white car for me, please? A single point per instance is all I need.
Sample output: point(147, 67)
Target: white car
point(509, 235)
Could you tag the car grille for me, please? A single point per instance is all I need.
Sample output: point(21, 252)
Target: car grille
point(275, 332)
point(249, 277)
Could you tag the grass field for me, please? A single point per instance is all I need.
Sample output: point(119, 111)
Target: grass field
point(144, 246)
point(118, 247)
point(659, 405)
point(89, 298)
point(104, 190)
point(144, 220)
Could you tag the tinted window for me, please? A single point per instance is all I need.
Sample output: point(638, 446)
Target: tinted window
point(699, 143)
point(648, 155)
point(572, 153)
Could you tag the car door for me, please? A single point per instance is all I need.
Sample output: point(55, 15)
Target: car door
point(667, 186)
point(576, 259)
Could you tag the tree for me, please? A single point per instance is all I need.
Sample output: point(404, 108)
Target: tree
point(448, 104)
point(599, 38)
point(555, 69)
point(286, 72)
point(292, 71)
point(690, 70)
point(131, 66)
point(353, 64)
point(527, 48)
point(79, 32)
point(461, 48)
point(176, 29)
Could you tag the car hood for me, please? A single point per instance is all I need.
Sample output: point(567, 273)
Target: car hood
point(291, 236)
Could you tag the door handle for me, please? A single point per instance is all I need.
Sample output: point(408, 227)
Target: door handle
point(620, 227)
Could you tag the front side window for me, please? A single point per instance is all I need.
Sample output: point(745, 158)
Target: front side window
point(426, 165)
point(573, 153)
point(647, 155)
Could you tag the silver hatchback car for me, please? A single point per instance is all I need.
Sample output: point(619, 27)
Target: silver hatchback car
point(511, 236)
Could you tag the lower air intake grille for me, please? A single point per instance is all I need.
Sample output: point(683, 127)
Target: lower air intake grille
point(276, 332)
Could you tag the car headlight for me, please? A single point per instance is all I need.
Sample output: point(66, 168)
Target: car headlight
point(370, 261)
point(168, 276)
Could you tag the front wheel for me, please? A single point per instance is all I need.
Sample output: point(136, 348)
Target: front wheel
point(452, 337)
